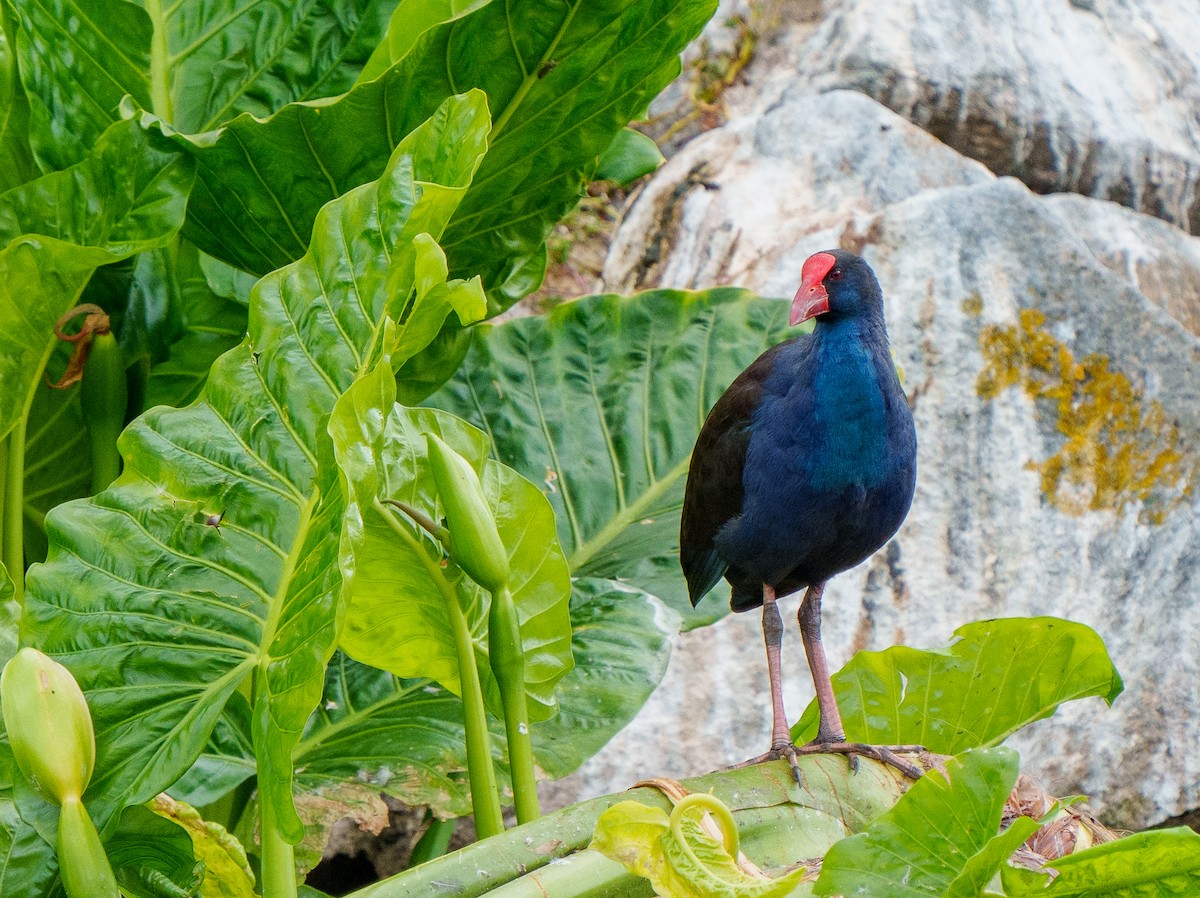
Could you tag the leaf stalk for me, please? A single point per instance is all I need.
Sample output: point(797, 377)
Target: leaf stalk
point(13, 538)
point(485, 801)
point(278, 862)
point(508, 664)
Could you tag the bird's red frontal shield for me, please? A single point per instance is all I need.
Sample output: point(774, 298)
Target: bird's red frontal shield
point(811, 299)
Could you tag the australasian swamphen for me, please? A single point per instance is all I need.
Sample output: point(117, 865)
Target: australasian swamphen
point(804, 467)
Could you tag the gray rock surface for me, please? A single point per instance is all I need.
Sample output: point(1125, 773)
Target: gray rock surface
point(1097, 97)
point(956, 250)
point(1161, 261)
point(742, 204)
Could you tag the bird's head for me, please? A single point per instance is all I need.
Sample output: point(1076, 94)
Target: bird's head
point(837, 284)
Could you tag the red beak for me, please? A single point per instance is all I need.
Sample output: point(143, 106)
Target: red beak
point(812, 299)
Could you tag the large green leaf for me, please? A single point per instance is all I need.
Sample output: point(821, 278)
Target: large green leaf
point(58, 458)
point(621, 641)
point(227, 760)
point(27, 865)
point(600, 402)
point(400, 737)
point(16, 160)
point(562, 80)
point(196, 64)
point(166, 314)
point(996, 677)
point(396, 617)
point(129, 195)
point(941, 840)
point(215, 553)
point(405, 737)
point(411, 19)
point(149, 845)
point(565, 84)
point(1161, 864)
point(211, 324)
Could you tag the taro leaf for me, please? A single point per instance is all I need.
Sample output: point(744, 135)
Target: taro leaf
point(1158, 864)
point(941, 839)
point(562, 80)
point(16, 160)
point(621, 640)
point(226, 870)
point(410, 19)
point(195, 64)
point(147, 844)
point(396, 616)
point(405, 737)
point(129, 195)
point(227, 760)
point(630, 156)
point(27, 861)
point(58, 458)
point(211, 325)
point(401, 737)
point(600, 402)
point(564, 86)
point(162, 610)
point(998, 676)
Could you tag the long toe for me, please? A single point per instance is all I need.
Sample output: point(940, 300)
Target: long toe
point(784, 751)
point(885, 754)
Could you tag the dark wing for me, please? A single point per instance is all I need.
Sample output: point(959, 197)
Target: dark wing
point(713, 494)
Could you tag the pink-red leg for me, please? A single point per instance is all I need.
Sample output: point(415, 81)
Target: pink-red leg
point(831, 735)
point(781, 737)
point(830, 728)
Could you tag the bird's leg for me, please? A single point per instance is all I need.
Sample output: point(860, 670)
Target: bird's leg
point(781, 737)
point(772, 625)
point(831, 736)
point(830, 728)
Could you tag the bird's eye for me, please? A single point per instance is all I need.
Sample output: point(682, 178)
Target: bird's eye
point(835, 274)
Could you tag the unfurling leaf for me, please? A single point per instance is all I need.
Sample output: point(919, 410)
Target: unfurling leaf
point(679, 857)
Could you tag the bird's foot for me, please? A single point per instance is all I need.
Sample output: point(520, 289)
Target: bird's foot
point(784, 751)
point(885, 754)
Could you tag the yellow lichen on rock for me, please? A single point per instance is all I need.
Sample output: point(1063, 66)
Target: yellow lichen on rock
point(1119, 448)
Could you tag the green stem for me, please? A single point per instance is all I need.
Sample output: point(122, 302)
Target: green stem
point(3, 484)
point(278, 862)
point(508, 664)
point(434, 841)
point(14, 498)
point(106, 460)
point(83, 865)
point(485, 801)
point(160, 61)
point(426, 523)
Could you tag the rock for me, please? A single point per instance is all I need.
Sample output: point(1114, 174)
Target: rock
point(961, 255)
point(1100, 98)
point(1157, 258)
point(756, 193)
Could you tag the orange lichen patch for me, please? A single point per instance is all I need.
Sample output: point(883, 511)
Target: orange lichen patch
point(973, 305)
point(1118, 450)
